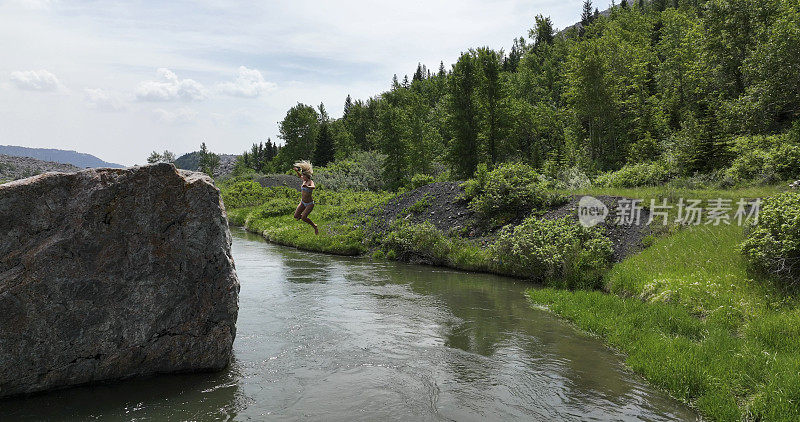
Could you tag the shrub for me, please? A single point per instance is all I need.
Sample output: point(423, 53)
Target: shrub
point(507, 192)
point(420, 180)
point(764, 159)
point(362, 171)
point(773, 242)
point(785, 161)
point(411, 242)
point(556, 250)
point(749, 166)
point(637, 175)
point(572, 178)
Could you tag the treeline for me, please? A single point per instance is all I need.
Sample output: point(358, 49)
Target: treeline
point(648, 81)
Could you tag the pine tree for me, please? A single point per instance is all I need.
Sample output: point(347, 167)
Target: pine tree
point(348, 103)
point(511, 62)
point(419, 74)
point(586, 17)
point(154, 157)
point(442, 72)
point(324, 148)
point(209, 161)
point(624, 4)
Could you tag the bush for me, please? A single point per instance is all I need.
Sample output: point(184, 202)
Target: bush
point(764, 159)
point(554, 250)
point(414, 242)
point(749, 166)
point(637, 175)
point(508, 192)
point(420, 180)
point(785, 161)
point(361, 172)
point(773, 243)
point(572, 178)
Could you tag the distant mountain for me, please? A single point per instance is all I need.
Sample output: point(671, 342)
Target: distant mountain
point(189, 161)
point(77, 159)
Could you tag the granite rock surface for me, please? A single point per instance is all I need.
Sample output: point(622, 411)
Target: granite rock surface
point(113, 273)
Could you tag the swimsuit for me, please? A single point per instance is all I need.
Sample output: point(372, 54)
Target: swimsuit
point(306, 188)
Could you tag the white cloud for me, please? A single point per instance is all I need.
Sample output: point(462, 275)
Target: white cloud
point(169, 88)
point(35, 4)
point(103, 100)
point(179, 116)
point(249, 84)
point(35, 80)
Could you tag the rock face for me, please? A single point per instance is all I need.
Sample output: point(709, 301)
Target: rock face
point(13, 168)
point(113, 273)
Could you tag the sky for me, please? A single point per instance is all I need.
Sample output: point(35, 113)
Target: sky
point(121, 79)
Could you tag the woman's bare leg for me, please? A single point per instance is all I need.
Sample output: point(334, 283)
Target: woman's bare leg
point(298, 213)
point(304, 217)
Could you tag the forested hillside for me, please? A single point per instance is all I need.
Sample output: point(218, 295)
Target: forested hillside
point(661, 89)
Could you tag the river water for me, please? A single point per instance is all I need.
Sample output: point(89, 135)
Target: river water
point(335, 338)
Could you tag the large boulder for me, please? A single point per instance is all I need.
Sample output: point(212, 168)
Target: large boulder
point(113, 273)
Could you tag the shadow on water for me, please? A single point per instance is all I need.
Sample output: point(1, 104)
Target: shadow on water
point(338, 338)
point(161, 397)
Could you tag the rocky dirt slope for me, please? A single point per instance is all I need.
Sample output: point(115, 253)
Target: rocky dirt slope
point(13, 168)
point(440, 204)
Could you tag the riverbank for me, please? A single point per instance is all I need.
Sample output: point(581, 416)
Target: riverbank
point(691, 319)
point(435, 225)
point(685, 311)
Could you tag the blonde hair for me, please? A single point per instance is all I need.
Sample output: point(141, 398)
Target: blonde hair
point(305, 168)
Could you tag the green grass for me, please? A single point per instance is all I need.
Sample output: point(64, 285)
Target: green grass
point(693, 321)
point(339, 232)
point(673, 194)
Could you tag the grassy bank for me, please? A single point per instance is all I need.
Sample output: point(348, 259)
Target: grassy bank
point(354, 223)
point(340, 231)
point(693, 321)
point(686, 312)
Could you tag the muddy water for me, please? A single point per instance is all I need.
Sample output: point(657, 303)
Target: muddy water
point(322, 337)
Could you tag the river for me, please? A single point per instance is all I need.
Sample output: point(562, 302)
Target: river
point(337, 338)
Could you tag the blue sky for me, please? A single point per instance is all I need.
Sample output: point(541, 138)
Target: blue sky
point(120, 79)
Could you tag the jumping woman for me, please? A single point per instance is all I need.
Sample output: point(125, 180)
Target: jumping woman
point(304, 172)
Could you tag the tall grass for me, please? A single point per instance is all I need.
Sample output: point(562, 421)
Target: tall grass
point(692, 320)
point(340, 233)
